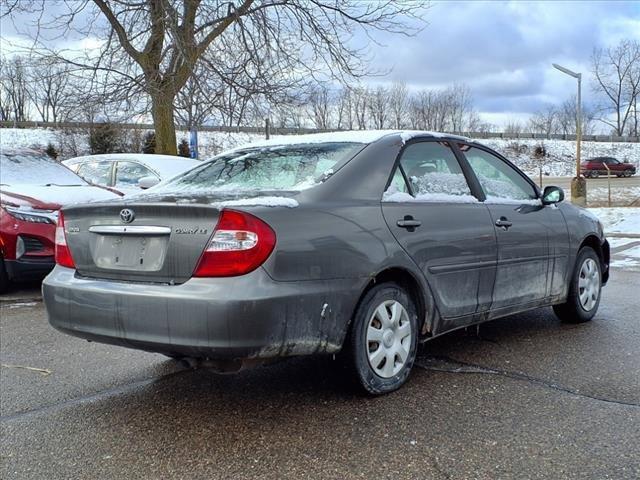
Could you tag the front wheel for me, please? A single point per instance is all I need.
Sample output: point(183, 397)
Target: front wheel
point(584, 290)
point(383, 339)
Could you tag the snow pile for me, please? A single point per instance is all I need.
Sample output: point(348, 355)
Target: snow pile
point(258, 202)
point(35, 170)
point(623, 227)
point(453, 184)
point(622, 220)
point(63, 195)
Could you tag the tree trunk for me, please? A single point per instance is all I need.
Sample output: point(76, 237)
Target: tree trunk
point(163, 123)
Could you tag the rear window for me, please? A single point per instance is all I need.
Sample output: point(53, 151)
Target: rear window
point(284, 167)
point(35, 169)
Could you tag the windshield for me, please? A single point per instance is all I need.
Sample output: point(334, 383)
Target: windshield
point(282, 167)
point(35, 169)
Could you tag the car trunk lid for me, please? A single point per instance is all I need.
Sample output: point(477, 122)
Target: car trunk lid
point(145, 242)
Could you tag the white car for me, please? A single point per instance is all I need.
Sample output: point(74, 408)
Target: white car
point(129, 172)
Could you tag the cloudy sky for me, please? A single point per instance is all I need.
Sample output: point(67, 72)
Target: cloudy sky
point(504, 50)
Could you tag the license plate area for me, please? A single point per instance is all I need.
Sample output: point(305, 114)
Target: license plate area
point(144, 253)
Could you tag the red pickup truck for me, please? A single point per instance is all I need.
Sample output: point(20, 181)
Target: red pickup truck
point(595, 167)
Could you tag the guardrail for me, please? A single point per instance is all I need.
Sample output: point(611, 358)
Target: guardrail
point(293, 131)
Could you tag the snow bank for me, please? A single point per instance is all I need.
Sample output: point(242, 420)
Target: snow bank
point(619, 220)
point(560, 160)
point(561, 154)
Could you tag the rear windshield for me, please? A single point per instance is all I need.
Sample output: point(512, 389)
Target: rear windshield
point(283, 167)
point(35, 169)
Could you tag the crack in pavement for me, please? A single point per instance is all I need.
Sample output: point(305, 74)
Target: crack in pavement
point(450, 365)
point(91, 397)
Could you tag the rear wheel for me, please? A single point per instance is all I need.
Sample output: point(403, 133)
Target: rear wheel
point(383, 339)
point(584, 290)
point(595, 174)
point(4, 278)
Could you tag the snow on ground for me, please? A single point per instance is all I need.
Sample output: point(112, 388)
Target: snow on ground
point(620, 220)
point(624, 224)
point(560, 160)
point(561, 154)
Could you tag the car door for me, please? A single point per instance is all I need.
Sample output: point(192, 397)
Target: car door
point(433, 214)
point(521, 228)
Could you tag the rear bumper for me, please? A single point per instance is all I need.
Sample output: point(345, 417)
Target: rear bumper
point(29, 268)
point(250, 316)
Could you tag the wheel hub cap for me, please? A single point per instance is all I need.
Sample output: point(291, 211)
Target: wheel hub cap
point(389, 338)
point(589, 284)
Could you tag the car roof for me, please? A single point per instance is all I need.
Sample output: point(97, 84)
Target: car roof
point(350, 136)
point(165, 165)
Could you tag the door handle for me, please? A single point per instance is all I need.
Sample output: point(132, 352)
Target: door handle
point(409, 223)
point(503, 223)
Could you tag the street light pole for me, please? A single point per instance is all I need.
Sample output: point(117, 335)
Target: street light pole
point(578, 183)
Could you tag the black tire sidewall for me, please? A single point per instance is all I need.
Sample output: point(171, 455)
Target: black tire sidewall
point(367, 377)
point(4, 278)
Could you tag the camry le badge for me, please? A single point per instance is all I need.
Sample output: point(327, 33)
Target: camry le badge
point(127, 215)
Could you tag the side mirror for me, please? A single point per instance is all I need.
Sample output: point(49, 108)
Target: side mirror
point(147, 182)
point(552, 195)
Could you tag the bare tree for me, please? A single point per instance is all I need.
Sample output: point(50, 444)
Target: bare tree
point(14, 83)
point(49, 87)
point(567, 117)
point(345, 109)
point(319, 101)
point(154, 46)
point(617, 74)
point(361, 106)
point(5, 98)
point(545, 121)
point(379, 106)
point(399, 104)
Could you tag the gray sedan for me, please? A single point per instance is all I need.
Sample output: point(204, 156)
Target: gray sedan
point(360, 244)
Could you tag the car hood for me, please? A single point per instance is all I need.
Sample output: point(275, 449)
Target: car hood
point(53, 197)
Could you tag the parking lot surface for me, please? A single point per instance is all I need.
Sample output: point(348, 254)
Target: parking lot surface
point(525, 397)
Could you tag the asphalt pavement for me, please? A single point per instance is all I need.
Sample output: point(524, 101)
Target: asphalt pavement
point(525, 397)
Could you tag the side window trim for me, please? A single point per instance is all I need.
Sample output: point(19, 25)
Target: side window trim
point(406, 180)
point(502, 159)
point(462, 162)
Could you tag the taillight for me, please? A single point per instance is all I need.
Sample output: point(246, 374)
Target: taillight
point(240, 243)
point(63, 254)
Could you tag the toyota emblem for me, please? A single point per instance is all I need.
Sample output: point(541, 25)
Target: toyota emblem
point(127, 215)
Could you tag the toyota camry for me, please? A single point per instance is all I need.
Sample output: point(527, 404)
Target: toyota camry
point(360, 244)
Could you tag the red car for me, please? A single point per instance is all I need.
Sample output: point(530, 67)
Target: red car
point(595, 167)
point(33, 187)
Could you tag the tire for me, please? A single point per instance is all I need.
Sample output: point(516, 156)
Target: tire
point(4, 278)
point(594, 174)
point(584, 291)
point(627, 173)
point(387, 307)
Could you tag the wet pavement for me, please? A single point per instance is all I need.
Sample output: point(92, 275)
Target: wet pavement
point(525, 397)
